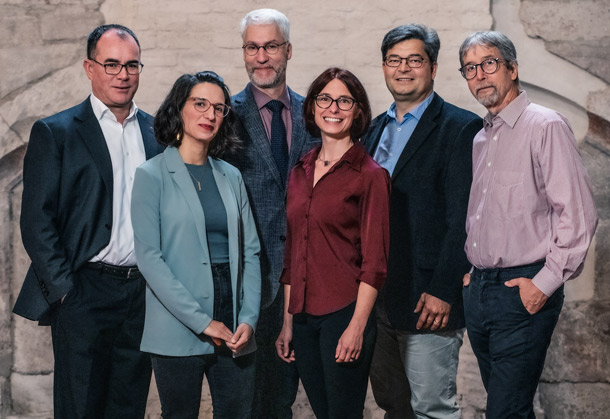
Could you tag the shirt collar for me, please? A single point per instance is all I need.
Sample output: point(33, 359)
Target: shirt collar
point(416, 112)
point(261, 98)
point(352, 157)
point(511, 113)
point(100, 110)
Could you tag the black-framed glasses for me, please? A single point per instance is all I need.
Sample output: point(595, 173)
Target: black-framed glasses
point(270, 47)
point(115, 68)
point(201, 104)
point(413, 61)
point(488, 66)
point(343, 102)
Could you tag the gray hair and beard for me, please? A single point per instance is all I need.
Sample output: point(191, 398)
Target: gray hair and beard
point(280, 77)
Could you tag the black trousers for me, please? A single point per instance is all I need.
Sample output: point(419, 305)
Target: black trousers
point(99, 369)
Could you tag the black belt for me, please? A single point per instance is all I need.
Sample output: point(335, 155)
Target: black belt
point(539, 263)
point(122, 271)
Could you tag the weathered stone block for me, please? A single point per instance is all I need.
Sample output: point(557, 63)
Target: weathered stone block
point(575, 400)
point(33, 349)
point(32, 394)
point(579, 348)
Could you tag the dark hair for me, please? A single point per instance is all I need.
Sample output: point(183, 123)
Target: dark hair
point(169, 126)
point(432, 44)
point(491, 39)
point(97, 33)
point(362, 119)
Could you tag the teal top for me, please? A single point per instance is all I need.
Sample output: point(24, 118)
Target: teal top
point(214, 210)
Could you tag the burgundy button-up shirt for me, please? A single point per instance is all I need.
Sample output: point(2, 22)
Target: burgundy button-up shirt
point(338, 232)
point(531, 196)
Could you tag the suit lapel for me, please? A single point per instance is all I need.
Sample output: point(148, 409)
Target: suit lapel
point(299, 132)
point(426, 124)
point(91, 133)
point(151, 146)
point(182, 179)
point(374, 134)
point(253, 124)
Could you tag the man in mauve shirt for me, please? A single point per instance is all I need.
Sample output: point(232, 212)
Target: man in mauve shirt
point(531, 218)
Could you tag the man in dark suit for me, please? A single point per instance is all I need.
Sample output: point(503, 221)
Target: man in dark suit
point(426, 144)
point(76, 227)
point(273, 130)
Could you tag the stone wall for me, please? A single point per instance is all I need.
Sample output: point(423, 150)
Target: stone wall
point(564, 64)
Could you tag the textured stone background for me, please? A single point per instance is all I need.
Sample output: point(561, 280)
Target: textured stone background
point(564, 56)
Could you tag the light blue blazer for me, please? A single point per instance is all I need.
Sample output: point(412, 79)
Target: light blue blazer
point(172, 253)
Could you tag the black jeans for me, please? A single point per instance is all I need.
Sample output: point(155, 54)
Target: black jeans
point(335, 390)
point(510, 343)
point(231, 380)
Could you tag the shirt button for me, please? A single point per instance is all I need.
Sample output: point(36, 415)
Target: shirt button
point(305, 237)
point(304, 258)
point(484, 190)
point(478, 216)
point(398, 129)
point(495, 138)
point(488, 163)
point(474, 244)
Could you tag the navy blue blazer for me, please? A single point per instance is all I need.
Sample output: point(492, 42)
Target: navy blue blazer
point(430, 188)
point(66, 211)
point(265, 189)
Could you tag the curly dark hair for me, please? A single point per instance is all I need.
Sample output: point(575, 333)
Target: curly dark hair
point(169, 126)
point(363, 118)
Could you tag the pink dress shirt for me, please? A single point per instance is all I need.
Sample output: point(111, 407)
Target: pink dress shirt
point(531, 195)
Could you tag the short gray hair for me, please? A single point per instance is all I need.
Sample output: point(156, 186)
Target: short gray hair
point(496, 39)
point(266, 17)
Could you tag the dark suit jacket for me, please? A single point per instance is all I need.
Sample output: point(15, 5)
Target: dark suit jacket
point(265, 189)
point(430, 187)
point(66, 211)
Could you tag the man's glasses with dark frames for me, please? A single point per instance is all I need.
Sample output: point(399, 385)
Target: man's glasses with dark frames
point(115, 68)
point(201, 104)
point(269, 47)
point(413, 61)
point(488, 66)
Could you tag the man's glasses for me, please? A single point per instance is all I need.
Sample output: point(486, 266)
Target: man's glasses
point(269, 47)
point(201, 104)
point(489, 66)
point(343, 102)
point(115, 68)
point(414, 61)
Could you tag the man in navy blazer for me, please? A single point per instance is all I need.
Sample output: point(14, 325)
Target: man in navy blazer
point(426, 144)
point(267, 49)
point(76, 228)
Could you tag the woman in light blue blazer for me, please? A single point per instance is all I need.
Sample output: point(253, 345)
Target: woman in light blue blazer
point(197, 247)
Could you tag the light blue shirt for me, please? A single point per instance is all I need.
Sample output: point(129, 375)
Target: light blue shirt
point(396, 135)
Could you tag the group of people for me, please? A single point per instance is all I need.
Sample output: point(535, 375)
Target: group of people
point(266, 237)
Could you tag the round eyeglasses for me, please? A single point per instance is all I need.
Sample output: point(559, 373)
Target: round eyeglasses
point(269, 47)
point(488, 66)
point(115, 68)
point(201, 104)
point(414, 61)
point(343, 102)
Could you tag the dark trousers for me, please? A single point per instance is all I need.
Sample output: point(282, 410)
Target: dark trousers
point(510, 344)
point(277, 382)
point(335, 390)
point(179, 381)
point(99, 369)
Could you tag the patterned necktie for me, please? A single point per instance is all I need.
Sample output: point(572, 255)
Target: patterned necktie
point(279, 146)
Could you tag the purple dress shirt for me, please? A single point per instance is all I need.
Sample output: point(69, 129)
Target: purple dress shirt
point(531, 195)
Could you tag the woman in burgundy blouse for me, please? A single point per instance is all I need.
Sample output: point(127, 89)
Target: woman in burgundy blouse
point(336, 250)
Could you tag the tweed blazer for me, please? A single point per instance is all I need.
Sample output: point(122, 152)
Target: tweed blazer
point(172, 252)
point(265, 188)
point(430, 187)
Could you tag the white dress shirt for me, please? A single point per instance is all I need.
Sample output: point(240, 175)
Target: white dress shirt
point(126, 148)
